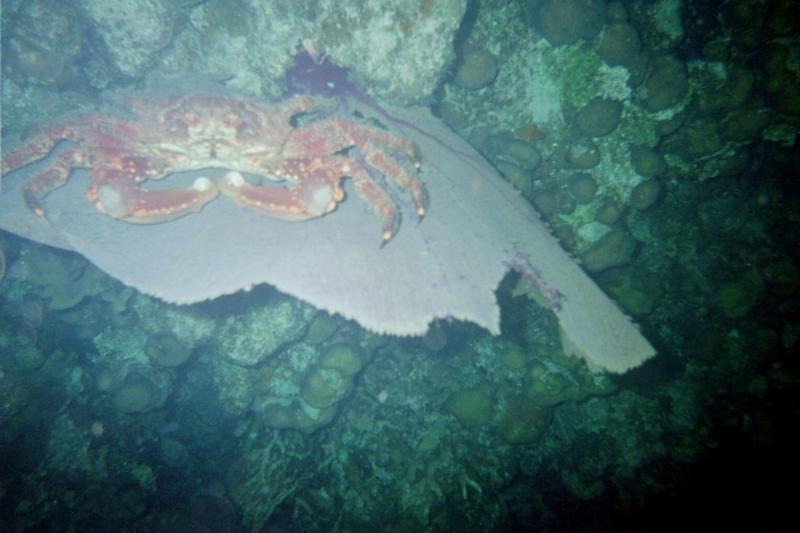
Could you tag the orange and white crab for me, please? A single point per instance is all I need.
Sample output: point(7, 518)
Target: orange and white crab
point(299, 141)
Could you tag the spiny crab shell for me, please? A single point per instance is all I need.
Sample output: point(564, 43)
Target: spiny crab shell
point(300, 141)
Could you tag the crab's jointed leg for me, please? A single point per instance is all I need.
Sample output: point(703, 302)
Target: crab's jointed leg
point(53, 177)
point(375, 195)
point(387, 165)
point(42, 140)
point(335, 134)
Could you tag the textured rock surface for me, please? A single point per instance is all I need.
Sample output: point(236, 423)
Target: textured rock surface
point(134, 31)
point(250, 341)
point(396, 49)
point(43, 43)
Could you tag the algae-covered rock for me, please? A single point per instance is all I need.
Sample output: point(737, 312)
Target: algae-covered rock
point(296, 416)
point(594, 384)
point(613, 249)
point(695, 139)
point(65, 280)
point(252, 337)
point(544, 202)
point(43, 43)
point(324, 387)
point(565, 203)
point(550, 388)
point(133, 31)
point(164, 350)
point(583, 187)
point(523, 153)
point(515, 159)
point(478, 68)
point(140, 392)
point(512, 355)
point(453, 115)
point(524, 421)
point(520, 178)
point(608, 213)
point(472, 407)
point(645, 194)
point(637, 292)
point(737, 298)
point(436, 338)
point(322, 327)
point(309, 420)
point(599, 117)
point(344, 358)
point(727, 91)
point(566, 21)
point(784, 277)
point(397, 50)
point(173, 453)
point(227, 16)
point(619, 45)
point(782, 83)
point(666, 85)
point(583, 154)
point(745, 124)
point(647, 162)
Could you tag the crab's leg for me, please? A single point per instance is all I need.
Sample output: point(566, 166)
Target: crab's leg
point(390, 168)
point(315, 190)
point(335, 134)
point(53, 177)
point(42, 141)
point(123, 199)
point(372, 193)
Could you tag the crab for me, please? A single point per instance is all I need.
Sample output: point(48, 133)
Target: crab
point(300, 141)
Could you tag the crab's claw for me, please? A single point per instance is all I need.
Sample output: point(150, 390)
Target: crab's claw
point(304, 200)
point(128, 202)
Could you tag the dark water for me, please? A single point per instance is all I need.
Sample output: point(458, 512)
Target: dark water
point(672, 129)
